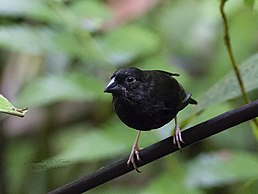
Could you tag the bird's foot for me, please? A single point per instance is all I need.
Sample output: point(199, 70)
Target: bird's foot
point(135, 154)
point(177, 138)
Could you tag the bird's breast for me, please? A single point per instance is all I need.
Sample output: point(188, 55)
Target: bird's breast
point(142, 115)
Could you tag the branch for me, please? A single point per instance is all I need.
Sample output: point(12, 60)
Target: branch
point(163, 148)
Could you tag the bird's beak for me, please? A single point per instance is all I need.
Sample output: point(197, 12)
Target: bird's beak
point(112, 87)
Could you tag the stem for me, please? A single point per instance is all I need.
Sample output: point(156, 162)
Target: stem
point(230, 53)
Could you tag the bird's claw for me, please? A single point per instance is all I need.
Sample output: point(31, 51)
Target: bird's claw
point(177, 138)
point(131, 160)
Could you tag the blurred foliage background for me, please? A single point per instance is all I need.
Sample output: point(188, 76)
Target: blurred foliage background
point(56, 57)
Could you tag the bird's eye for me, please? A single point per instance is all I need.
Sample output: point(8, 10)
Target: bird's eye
point(130, 79)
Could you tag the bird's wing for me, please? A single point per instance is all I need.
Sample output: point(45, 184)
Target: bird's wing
point(168, 73)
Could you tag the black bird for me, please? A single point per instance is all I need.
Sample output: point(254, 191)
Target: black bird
point(146, 100)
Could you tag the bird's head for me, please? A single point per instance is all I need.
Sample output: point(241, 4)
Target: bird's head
point(126, 82)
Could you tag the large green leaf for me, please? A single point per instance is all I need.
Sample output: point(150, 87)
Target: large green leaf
point(65, 87)
point(122, 45)
point(83, 143)
point(7, 107)
point(79, 44)
point(249, 3)
point(216, 169)
point(27, 39)
point(81, 146)
point(119, 46)
point(166, 183)
point(228, 87)
point(42, 40)
point(35, 9)
point(92, 13)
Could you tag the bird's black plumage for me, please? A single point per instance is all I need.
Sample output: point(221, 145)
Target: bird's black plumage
point(146, 100)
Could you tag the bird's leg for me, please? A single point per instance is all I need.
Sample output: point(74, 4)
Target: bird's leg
point(177, 138)
point(135, 152)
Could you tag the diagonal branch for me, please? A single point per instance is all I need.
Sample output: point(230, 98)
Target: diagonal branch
point(163, 148)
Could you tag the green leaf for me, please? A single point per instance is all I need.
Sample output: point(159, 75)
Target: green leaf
point(82, 143)
point(228, 87)
point(7, 107)
point(35, 9)
point(93, 13)
point(216, 169)
point(25, 38)
point(118, 46)
point(79, 145)
point(79, 44)
point(166, 183)
point(65, 87)
point(122, 45)
point(39, 40)
point(89, 147)
point(249, 3)
point(171, 179)
point(17, 170)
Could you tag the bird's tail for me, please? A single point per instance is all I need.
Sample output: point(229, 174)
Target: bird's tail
point(187, 100)
point(192, 101)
